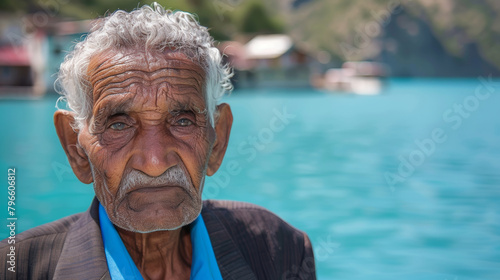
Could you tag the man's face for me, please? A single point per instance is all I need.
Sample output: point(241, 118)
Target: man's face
point(149, 139)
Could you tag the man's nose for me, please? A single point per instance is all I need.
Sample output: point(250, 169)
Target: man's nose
point(154, 151)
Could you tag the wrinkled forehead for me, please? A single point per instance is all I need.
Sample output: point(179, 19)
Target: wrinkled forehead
point(118, 71)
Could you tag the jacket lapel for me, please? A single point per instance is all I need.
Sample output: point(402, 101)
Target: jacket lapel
point(82, 256)
point(231, 262)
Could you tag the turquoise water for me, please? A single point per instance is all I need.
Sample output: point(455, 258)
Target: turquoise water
point(328, 164)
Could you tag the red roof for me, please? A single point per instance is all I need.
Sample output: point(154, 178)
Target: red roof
point(14, 56)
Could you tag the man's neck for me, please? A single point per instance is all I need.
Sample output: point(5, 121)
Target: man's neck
point(160, 254)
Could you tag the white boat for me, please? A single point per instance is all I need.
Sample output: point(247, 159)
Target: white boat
point(364, 78)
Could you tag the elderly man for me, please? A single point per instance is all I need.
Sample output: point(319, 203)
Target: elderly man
point(145, 129)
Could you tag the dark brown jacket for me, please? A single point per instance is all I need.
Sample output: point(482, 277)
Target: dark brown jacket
point(249, 242)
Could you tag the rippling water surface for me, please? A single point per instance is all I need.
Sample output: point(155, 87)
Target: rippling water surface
point(402, 185)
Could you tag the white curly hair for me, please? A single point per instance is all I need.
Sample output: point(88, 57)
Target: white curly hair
point(153, 28)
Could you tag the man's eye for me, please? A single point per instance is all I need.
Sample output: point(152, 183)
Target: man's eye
point(184, 122)
point(118, 126)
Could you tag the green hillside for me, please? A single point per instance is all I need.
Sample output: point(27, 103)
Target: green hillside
point(336, 25)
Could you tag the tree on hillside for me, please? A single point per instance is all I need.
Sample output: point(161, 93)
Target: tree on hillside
point(257, 20)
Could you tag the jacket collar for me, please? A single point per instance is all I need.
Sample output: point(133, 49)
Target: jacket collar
point(83, 257)
point(232, 264)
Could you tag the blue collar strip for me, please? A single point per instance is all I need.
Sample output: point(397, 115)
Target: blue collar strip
point(121, 266)
point(203, 265)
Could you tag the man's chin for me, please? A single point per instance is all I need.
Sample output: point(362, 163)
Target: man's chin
point(157, 216)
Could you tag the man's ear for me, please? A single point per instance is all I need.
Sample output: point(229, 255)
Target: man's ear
point(69, 140)
point(222, 130)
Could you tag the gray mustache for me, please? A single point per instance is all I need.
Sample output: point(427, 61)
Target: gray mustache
point(135, 179)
